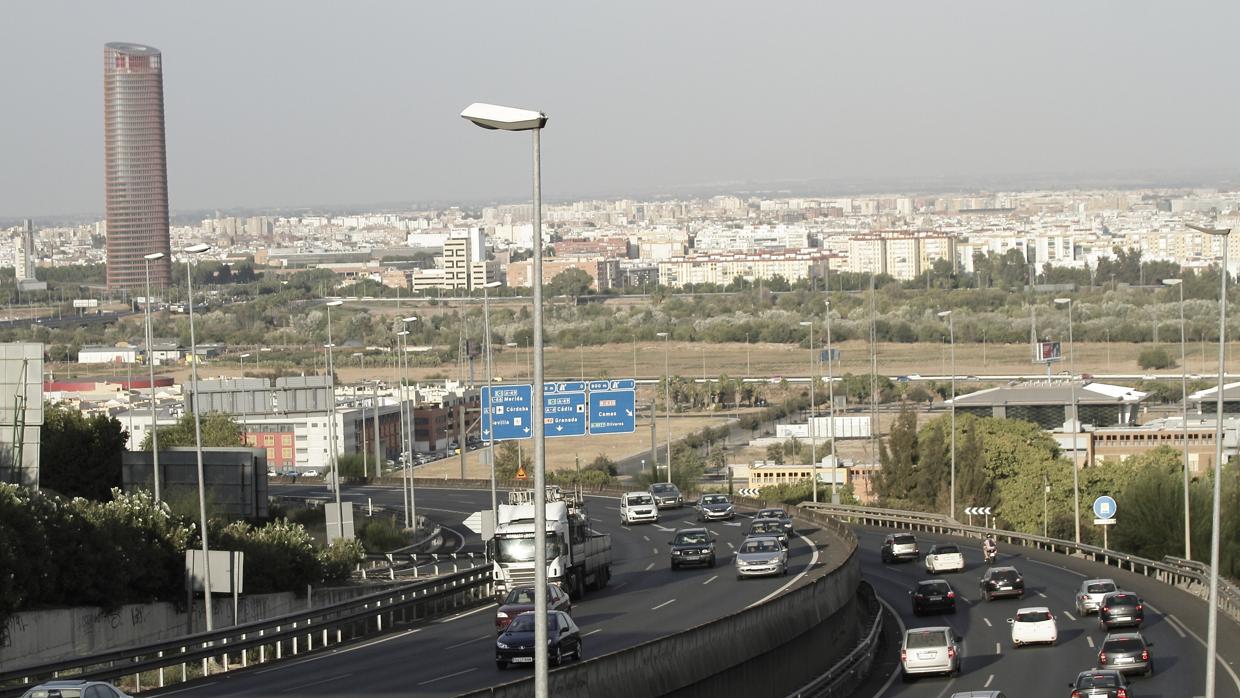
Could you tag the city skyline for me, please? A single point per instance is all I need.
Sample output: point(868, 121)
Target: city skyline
point(792, 97)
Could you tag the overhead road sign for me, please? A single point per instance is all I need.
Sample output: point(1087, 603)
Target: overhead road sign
point(978, 511)
point(507, 416)
point(612, 407)
point(564, 409)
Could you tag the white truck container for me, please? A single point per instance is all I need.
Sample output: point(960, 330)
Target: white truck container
point(577, 557)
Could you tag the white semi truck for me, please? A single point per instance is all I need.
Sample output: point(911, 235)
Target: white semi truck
point(577, 557)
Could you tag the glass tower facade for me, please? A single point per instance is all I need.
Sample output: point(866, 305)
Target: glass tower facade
point(135, 165)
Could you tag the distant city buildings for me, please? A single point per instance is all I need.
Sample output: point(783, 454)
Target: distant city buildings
point(135, 165)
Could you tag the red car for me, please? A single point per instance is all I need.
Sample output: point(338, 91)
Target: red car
point(521, 599)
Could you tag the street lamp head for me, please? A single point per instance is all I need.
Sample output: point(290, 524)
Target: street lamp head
point(153, 256)
point(411, 318)
point(402, 333)
point(660, 334)
point(496, 117)
point(245, 356)
point(1062, 301)
point(420, 349)
point(334, 304)
point(354, 354)
point(511, 344)
point(944, 313)
point(492, 284)
point(198, 249)
point(1210, 231)
point(806, 323)
point(1172, 282)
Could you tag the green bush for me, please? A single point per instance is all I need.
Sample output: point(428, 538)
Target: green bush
point(338, 560)
point(382, 535)
point(279, 556)
point(1155, 358)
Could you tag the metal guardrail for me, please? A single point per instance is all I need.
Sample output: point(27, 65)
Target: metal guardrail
point(845, 675)
point(267, 640)
point(1192, 577)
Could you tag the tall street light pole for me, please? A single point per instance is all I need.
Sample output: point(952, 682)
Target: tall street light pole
point(1212, 630)
point(150, 363)
point(331, 423)
point(361, 364)
point(202, 486)
point(951, 331)
point(1076, 423)
point(835, 463)
point(400, 414)
point(1188, 541)
point(486, 348)
point(244, 435)
point(491, 116)
point(667, 402)
point(813, 442)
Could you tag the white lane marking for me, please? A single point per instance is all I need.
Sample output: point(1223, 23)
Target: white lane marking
point(466, 642)
point(1041, 594)
point(596, 630)
point(447, 676)
point(998, 648)
point(899, 621)
point(619, 585)
point(988, 625)
point(988, 680)
point(648, 568)
point(1056, 567)
point(891, 568)
point(1235, 679)
point(710, 580)
point(1175, 626)
point(812, 561)
point(665, 603)
point(1069, 615)
point(663, 528)
point(646, 538)
point(351, 648)
point(1090, 640)
point(614, 508)
point(182, 690)
point(654, 551)
point(316, 683)
point(733, 547)
point(965, 599)
point(468, 613)
point(732, 524)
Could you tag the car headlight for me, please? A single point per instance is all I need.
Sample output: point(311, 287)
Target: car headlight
point(502, 646)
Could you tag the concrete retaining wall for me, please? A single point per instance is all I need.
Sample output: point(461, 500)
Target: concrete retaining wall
point(684, 664)
point(33, 638)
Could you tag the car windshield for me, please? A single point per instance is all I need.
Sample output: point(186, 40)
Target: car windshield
point(771, 514)
point(1128, 644)
point(763, 526)
point(1101, 588)
point(691, 538)
point(759, 546)
point(663, 489)
point(714, 499)
point(522, 549)
point(1033, 616)
point(639, 499)
point(1097, 681)
point(947, 550)
point(524, 623)
point(921, 639)
point(903, 539)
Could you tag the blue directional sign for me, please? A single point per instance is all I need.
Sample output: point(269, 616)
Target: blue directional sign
point(1104, 507)
point(564, 409)
point(612, 407)
point(508, 414)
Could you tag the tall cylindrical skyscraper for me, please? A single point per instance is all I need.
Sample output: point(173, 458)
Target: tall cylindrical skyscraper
point(135, 165)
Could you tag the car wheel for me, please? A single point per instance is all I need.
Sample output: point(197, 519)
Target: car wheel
point(501, 665)
point(577, 652)
point(712, 561)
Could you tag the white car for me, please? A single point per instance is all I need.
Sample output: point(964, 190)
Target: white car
point(1035, 624)
point(638, 507)
point(1089, 596)
point(944, 558)
point(310, 473)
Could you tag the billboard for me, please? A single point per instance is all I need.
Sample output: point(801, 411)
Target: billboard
point(1046, 352)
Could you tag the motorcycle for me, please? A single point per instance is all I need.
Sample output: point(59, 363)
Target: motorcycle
point(990, 554)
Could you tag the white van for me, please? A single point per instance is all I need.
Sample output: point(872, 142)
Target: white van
point(638, 507)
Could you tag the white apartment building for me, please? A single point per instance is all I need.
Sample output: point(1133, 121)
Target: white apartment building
point(723, 268)
point(772, 237)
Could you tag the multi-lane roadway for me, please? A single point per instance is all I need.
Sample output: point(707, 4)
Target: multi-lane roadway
point(643, 601)
point(1174, 621)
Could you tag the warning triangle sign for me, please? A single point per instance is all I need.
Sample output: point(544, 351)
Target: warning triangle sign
point(521, 472)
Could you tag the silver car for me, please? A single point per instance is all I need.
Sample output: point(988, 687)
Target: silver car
point(761, 556)
point(980, 694)
point(75, 689)
point(1089, 596)
point(934, 650)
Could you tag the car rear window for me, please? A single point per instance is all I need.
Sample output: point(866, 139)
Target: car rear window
point(1097, 681)
point(920, 639)
point(935, 588)
point(1006, 575)
point(44, 693)
point(1125, 645)
point(904, 539)
point(1123, 600)
point(1033, 616)
point(946, 550)
point(1105, 588)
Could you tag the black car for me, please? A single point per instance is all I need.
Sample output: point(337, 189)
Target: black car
point(1001, 581)
point(776, 515)
point(516, 644)
point(933, 596)
point(666, 495)
point(713, 507)
point(768, 527)
point(1121, 608)
point(693, 546)
point(1127, 653)
point(1099, 683)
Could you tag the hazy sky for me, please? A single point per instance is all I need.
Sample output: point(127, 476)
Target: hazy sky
point(303, 103)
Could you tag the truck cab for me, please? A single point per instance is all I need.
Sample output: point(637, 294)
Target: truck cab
point(577, 557)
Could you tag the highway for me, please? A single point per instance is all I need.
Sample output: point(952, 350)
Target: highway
point(1175, 622)
point(643, 601)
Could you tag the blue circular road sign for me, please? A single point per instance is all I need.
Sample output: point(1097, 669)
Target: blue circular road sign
point(1104, 507)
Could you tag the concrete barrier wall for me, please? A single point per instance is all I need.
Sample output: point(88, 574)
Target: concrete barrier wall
point(684, 664)
point(33, 638)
